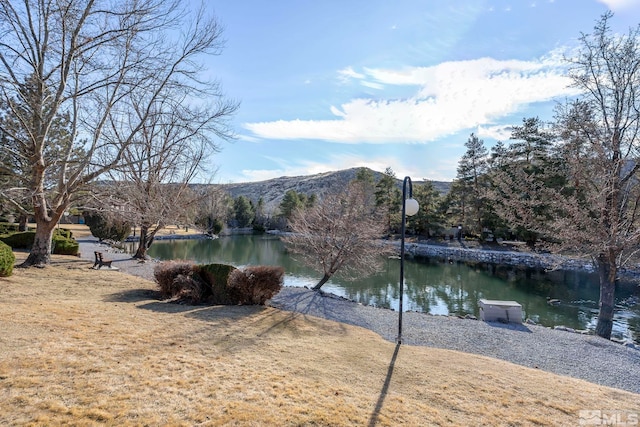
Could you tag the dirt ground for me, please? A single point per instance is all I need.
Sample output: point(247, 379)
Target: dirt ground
point(97, 347)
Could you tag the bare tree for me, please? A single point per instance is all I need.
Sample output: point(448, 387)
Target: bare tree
point(600, 209)
point(105, 65)
point(152, 184)
point(339, 233)
point(212, 210)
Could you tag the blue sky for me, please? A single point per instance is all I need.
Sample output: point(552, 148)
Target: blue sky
point(333, 84)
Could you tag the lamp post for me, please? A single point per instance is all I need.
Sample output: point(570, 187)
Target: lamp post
point(409, 208)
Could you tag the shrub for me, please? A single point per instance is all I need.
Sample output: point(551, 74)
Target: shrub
point(219, 284)
point(189, 287)
point(63, 232)
point(7, 259)
point(171, 277)
point(23, 240)
point(256, 285)
point(216, 277)
point(107, 229)
point(65, 246)
point(6, 228)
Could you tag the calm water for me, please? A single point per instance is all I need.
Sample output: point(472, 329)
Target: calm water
point(431, 286)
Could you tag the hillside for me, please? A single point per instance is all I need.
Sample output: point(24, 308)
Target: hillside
point(272, 191)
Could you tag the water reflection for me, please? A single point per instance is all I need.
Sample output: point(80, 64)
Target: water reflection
point(431, 286)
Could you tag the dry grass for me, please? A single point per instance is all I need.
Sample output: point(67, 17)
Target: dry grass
point(81, 230)
point(87, 347)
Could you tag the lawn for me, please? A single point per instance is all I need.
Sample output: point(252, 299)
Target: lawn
point(94, 347)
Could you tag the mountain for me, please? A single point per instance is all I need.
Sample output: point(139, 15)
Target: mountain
point(272, 190)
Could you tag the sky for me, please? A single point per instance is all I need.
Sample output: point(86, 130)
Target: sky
point(335, 84)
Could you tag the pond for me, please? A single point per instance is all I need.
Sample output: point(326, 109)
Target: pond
point(432, 286)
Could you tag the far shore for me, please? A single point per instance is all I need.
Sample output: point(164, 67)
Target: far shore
point(501, 253)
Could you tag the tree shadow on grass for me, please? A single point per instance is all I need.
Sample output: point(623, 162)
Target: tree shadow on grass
point(385, 389)
point(325, 305)
point(134, 295)
point(201, 311)
point(304, 302)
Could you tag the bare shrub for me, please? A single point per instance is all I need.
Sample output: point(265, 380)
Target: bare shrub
point(256, 285)
point(189, 288)
point(167, 273)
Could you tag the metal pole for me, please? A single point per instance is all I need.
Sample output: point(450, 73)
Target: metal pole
point(404, 220)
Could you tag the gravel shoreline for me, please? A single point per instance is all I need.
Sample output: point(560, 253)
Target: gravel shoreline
point(586, 357)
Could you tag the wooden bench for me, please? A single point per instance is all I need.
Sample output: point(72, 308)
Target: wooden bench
point(100, 261)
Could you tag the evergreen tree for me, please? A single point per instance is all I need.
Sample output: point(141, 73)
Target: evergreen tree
point(472, 182)
point(388, 198)
point(293, 201)
point(429, 220)
point(243, 211)
point(522, 175)
point(367, 180)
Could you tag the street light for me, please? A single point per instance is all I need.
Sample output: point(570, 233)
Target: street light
point(409, 208)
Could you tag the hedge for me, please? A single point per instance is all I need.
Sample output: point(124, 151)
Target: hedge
point(61, 243)
point(7, 259)
point(64, 246)
point(22, 240)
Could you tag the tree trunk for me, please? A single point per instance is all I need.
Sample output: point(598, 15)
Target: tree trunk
point(143, 243)
point(146, 239)
point(607, 270)
point(22, 222)
point(322, 281)
point(40, 254)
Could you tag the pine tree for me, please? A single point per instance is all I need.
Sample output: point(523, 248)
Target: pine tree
point(472, 183)
point(388, 197)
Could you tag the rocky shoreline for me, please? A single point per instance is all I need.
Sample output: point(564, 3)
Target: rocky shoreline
point(502, 257)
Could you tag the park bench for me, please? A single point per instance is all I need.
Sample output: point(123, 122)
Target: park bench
point(100, 261)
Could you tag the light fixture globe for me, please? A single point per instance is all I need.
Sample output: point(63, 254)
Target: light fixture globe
point(411, 207)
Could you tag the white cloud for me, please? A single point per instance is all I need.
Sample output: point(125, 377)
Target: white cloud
point(349, 73)
point(617, 5)
point(447, 98)
point(372, 85)
point(499, 133)
point(248, 138)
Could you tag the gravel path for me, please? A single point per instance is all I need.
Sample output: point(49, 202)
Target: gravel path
point(580, 356)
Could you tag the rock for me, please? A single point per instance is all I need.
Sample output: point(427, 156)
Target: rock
point(530, 322)
point(629, 344)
